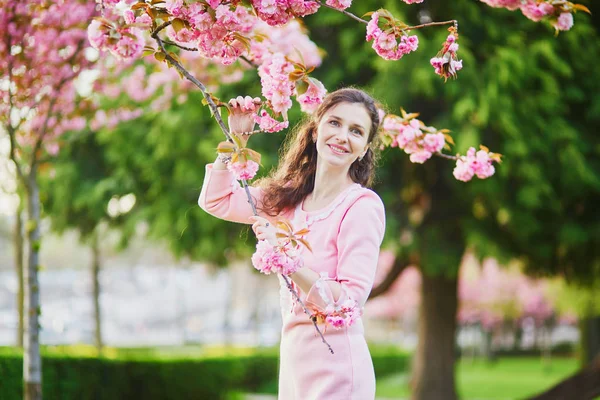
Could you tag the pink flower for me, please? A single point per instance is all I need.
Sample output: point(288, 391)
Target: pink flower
point(434, 142)
point(97, 35)
point(340, 4)
point(462, 171)
point(535, 11)
point(129, 47)
point(268, 124)
point(313, 97)
point(412, 1)
point(243, 170)
point(373, 29)
point(420, 157)
point(564, 22)
point(270, 259)
point(129, 16)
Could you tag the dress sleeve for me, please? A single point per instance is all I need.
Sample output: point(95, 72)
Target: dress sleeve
point(359, 239)
point(223, 197)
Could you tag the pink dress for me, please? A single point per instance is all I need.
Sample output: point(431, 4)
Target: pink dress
point(345, 238)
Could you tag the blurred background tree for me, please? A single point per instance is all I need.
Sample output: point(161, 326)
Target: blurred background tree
point(523, 92)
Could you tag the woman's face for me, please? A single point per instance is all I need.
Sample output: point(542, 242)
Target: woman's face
point(343, 134)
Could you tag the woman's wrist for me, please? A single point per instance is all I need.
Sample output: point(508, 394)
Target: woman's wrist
point(219, 164)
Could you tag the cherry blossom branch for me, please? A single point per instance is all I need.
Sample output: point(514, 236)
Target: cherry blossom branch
point(353, 16)
point(306, 311)
point(10, 129)
point(211, 104)
point(452, 21)
point(180, 46)
point(217, 116)
point(446, 156)
point(349, 14)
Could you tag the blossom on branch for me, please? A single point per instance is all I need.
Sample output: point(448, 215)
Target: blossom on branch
point(385, 41)
point(245, 170)
point(558, 12)
point(281, 259)
point(477, 163)
point(446, 63)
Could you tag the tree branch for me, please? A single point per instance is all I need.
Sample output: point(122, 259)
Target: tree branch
point(349, 14)
point(446, 156)
point(211, 104)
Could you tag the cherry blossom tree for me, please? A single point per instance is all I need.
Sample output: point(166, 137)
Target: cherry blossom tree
point(42, 51)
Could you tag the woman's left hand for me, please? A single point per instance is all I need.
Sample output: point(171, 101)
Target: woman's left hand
point(264, 230)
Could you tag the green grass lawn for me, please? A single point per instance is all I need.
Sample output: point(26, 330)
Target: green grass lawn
point(508, 378)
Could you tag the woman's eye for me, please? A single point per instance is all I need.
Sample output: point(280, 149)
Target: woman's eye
point(357, 131)
point(334, 123)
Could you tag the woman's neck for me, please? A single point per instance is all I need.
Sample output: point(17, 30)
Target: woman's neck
point(329, 182)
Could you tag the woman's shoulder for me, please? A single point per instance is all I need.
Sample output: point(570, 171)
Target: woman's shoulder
point(364, 197)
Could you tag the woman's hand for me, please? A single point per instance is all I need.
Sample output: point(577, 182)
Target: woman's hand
point(241, 116)
point(264, 230)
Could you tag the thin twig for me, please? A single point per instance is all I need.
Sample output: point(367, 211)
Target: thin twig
point(410, 28)
point(306, 310)
point(180, 46)
point(446, 156)
point(346, 13)
point(249, 62)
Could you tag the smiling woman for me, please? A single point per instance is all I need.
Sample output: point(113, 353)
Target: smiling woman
point(321, 185)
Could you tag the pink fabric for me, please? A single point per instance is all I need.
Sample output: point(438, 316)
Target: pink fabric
point(345, 237)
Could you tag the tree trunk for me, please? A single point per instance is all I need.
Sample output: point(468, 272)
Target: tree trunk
point(18, 243)
point(32, 361)
point(433, 366)
point(96, 293)
point(584, 385)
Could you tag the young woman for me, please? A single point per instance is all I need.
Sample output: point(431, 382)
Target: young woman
point(321, 184)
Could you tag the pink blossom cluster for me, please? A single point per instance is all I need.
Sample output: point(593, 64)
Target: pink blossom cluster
point(42, 55)
point(276, 85)
point(340, 4)
point(270, 259)
point(343, 315)
point(386, 44)
point(474, 163)
point(312, 97)
point(279, 12)
point(268, 123)
point(446, 63)
point(243, 170)
point(414, 138)
point(560, 17)
point(412, 1)
point(124, 42)
point(277, 39)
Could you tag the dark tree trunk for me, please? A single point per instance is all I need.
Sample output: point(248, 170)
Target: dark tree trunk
point(584, 385)
point(18, 246)
point(96, 293)
point(32, 361)
point(399, 265)
point(433, 366)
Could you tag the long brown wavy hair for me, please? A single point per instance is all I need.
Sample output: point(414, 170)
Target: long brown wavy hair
point(294, 178)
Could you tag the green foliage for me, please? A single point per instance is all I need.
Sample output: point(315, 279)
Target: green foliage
point(70, 377)
point(524, 93)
